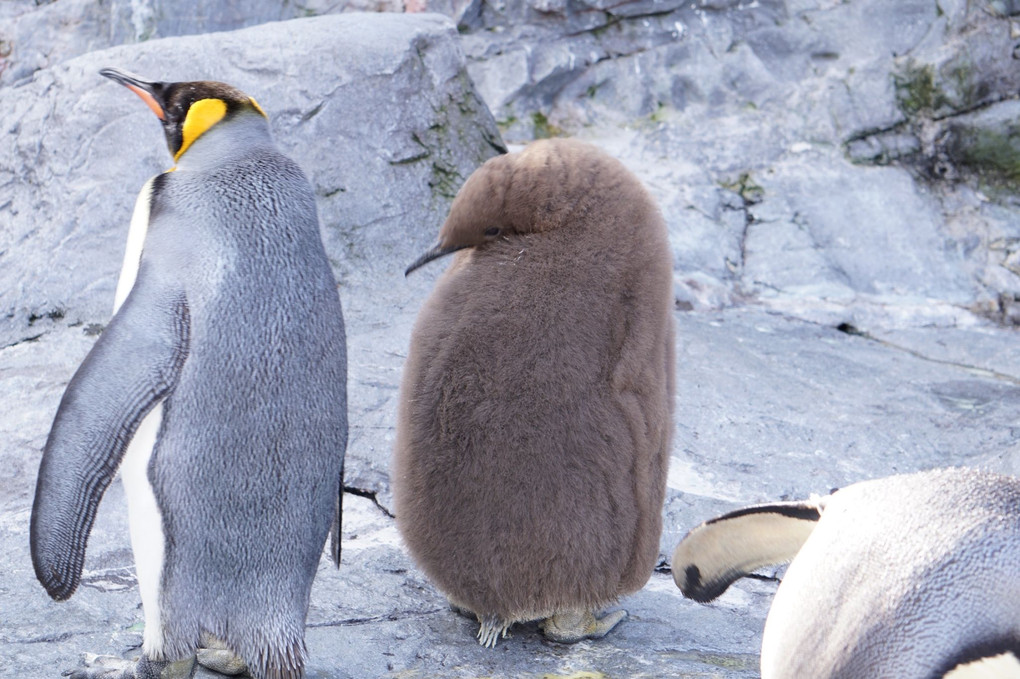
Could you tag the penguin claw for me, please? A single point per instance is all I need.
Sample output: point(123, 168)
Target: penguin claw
point(492, 628)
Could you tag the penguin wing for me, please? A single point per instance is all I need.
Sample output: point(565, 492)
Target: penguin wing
point(722, 550)
point(135, 363)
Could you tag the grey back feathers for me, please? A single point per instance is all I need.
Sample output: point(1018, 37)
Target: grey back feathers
point(266, 377)
point(234, 326)
point(909, 577)
point(535, 409)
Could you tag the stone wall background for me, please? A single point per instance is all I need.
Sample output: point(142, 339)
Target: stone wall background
point(840, 182)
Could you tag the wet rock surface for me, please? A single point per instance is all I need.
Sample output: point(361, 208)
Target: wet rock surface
point(839, 183)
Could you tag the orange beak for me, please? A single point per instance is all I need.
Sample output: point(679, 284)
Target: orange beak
point(146, 91)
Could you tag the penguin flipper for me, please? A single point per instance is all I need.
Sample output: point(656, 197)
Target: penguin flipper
point(722, 550)
point(133, 366)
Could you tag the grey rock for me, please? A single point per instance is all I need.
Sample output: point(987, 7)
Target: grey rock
point(563, 17)
point(987, 143)
point(37, 35)
point(819, 405)
point(15, 8)
point(845, 230)
point(780, 92)
point(954, 92)
point(810, 234)
point(758, 51)
point(736, 88)
point(40, 38)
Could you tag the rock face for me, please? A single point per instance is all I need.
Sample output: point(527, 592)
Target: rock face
point(80, 148)
point(842, 161)
point(839, 179)
point(44, 33)
point(765, 110)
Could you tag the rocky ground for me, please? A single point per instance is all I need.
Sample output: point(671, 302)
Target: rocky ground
point(840, 183)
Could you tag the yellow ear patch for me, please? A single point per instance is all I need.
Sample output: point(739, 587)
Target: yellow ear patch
point(202, 115)
point(257, 107)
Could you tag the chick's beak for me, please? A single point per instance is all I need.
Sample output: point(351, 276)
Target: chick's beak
point(149, 92)
point(435, 252)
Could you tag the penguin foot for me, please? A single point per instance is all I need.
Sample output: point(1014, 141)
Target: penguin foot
point(215, 655)
point(112, 667)
point(491, 628)
point(570, 627)
point(222, 660)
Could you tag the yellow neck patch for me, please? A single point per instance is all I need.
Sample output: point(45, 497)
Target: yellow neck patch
point(202, 115)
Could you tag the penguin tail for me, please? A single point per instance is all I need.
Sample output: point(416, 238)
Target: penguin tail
point(335, 532)
point(722, 550)
point(277, 660)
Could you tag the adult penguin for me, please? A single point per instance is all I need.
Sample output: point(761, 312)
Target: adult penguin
point(913, 576)
point(536, 404)
point(219, 387)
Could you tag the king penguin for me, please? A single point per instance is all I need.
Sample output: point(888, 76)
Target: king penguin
point(913, 576)
point(535, 415)
point(218, 388)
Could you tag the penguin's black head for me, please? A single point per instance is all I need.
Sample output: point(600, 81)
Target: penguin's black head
point(187, 110)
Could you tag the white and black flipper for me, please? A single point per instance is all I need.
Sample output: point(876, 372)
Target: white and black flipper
point(722, 550)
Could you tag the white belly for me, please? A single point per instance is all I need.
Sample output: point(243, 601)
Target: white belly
point(144, 517)
point(135, 240)
point(146, 523)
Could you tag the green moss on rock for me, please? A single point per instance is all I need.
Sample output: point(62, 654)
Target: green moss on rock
point(916, 89)
point(993, 154)
point(543, 129)
point(744, 186)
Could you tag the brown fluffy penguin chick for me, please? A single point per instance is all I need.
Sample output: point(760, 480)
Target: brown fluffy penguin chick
point(536, 405)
